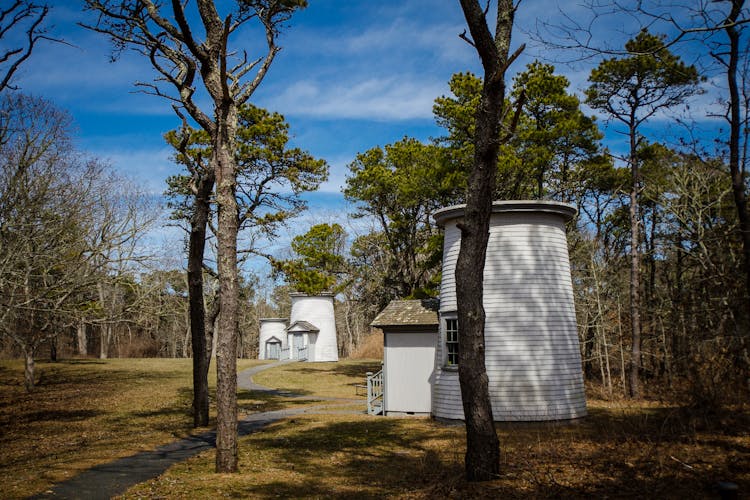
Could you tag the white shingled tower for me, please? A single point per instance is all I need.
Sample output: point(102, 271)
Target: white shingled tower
point(532, 350)
point(312, 328)
point(272, 338)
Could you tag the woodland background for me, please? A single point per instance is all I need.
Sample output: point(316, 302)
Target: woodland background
point(75, 279)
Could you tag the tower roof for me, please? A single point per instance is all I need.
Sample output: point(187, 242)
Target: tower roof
point(565, 210)
point(421, 312)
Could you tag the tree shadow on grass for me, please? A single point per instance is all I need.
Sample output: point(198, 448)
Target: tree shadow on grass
point(261, 401)
point(370, 458)
point(61, 416)
point(358, 370)
point(612, 453)
point(81, 361)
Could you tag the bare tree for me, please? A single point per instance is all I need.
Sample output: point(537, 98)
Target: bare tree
point(123, 216)
point(482, 444)
point(56, 239)
point(164, 35)
point(21, 28)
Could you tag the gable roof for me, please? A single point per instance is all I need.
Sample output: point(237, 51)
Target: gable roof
point(302, 326)
point(421, 312)
point(273, 340)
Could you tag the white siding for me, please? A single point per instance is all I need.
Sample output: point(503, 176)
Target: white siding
point(409, 363)
point(533, 356)
point(271, 327)
point(318, 311)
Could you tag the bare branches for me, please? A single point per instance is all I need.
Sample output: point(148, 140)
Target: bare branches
point(65, 224)
point(592, 32)
point(178, 56)
point(465, 38)
point(25, 16)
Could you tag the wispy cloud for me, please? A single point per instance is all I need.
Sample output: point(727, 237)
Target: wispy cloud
point(390, 98)
point(150, 167)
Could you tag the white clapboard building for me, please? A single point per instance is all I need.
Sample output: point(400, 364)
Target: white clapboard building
point(532, 350)
point(310, 334)
point(272, 338)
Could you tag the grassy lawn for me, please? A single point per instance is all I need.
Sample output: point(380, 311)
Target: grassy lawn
point(89, 411)
point(333, 380)
point(619, 451)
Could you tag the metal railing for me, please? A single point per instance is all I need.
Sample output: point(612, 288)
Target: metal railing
point(375, 393)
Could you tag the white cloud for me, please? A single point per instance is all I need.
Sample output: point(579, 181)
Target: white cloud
point(336, 175)
point(389, 98)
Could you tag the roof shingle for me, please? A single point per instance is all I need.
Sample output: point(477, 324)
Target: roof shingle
point(422, 312)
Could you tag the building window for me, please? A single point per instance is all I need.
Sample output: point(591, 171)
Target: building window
point(451, 341)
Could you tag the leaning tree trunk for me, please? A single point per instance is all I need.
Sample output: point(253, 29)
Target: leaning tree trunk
point(735, 124)
point(482, 444)
point(196, 249)
point(226, 345)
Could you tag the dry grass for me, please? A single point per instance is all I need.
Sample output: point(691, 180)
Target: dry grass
point(85, 412)
point(333, 380)
point(619, 451)
point(371, 347)
point(90, 411)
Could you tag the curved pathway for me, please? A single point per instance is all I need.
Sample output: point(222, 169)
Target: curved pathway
point(107, 480)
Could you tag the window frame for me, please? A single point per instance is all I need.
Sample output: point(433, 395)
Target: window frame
point(450, 341)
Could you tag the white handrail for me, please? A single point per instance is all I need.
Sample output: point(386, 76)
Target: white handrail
point(375, 393)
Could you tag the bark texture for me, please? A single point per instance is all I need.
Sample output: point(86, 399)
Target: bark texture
point(29, 369)
point(635, 273)
point(81, 338)
point(482, 444)
point(196, 250)
point(226, 345)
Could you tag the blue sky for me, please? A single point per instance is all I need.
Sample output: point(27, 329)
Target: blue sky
point(351, 76)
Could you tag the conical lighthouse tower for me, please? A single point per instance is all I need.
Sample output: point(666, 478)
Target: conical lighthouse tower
point(532, 350)
point(311, 334)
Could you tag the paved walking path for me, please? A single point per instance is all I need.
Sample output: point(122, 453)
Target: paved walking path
point(107, 480)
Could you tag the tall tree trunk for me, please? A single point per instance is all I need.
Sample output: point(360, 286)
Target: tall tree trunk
point(29, 371)
point(82, 339)
point(105, 328)
point(635, 275)
point(226, 345)
point(737, 169)
point(196, 250)
point(482, 444)
point(53, 349)
point(105, 333)
point(211, 321)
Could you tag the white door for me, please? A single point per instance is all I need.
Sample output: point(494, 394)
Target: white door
point(273, 350)
point(409, 364)
point(298, 342)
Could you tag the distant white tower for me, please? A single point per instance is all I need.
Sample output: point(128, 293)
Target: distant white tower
point(532, 350)
point(272, 338)
point(312, 328)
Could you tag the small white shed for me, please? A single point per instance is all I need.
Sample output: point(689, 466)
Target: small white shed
point(311, 334)
point(410, 333)
point(272, 338)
